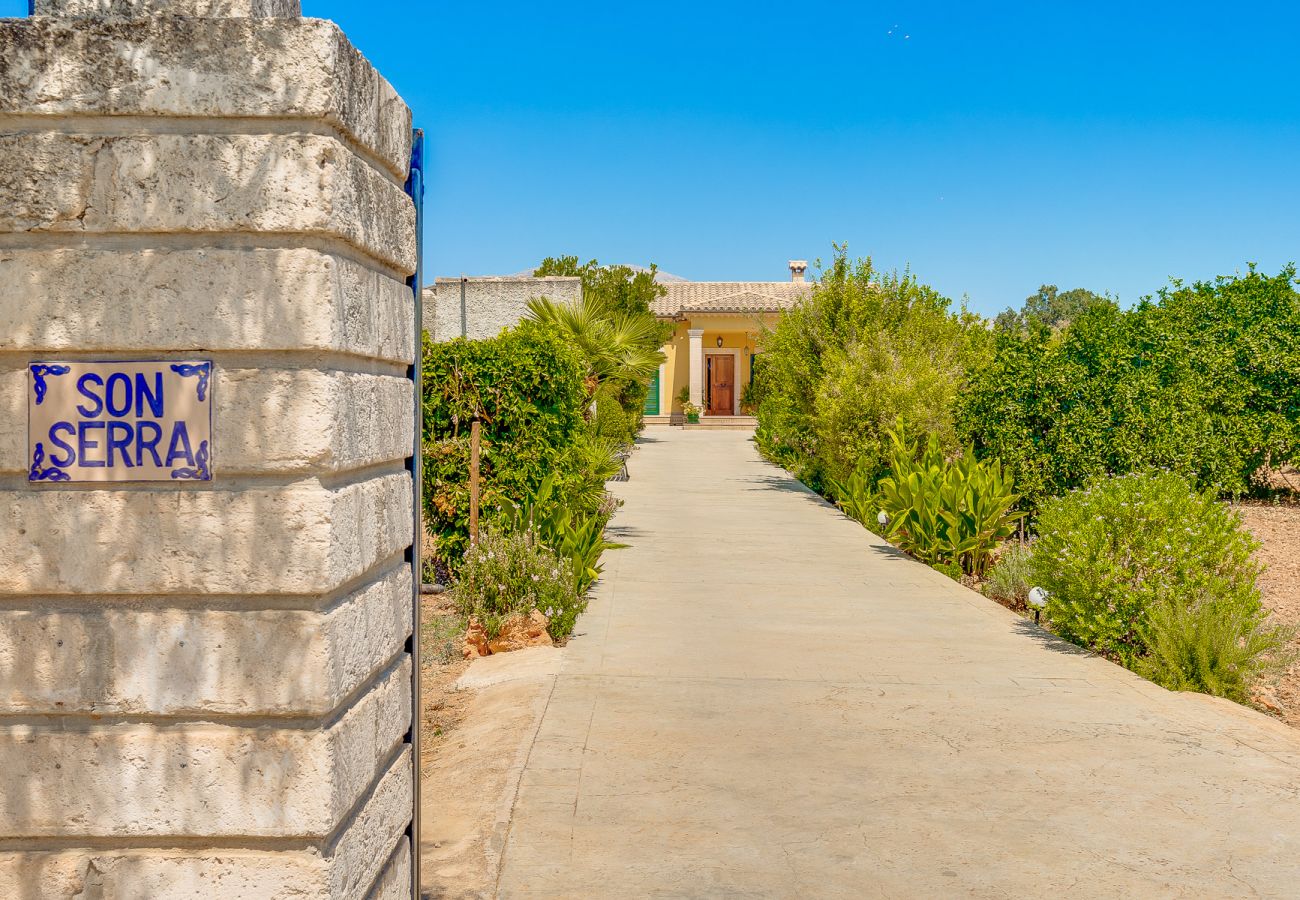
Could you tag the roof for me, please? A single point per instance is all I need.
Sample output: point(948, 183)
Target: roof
point(730, 296)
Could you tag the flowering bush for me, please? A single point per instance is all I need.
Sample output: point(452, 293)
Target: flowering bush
point(1141, 563)
point(511, 574)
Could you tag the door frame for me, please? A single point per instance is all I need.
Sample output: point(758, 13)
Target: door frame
point(735, 375)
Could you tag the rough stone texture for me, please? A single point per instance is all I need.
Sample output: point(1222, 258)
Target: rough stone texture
point(359, 854)
point(517, 633)
point(341, 870)
point(161, 875)
point(206, 690)
point(276, 420)
point(491, 303)
point(301, 69)
point(395, 882)
point(302, 538)
point(108, 659)
point(289, 184)
point(213, 8)
point(254, 299)
point(195, 779)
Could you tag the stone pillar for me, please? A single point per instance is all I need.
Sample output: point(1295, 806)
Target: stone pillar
point(205, 687)
point(696, 336)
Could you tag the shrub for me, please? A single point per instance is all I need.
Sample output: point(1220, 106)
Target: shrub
point(1203, 380)
point(526, 387)
point(950, 514)
point(579, 539)
point(610, 420)
point(1010, 578)
point(856, 496)
point(865, 350)
point(1135, 553)
point(1213, 646)
point(510, 574)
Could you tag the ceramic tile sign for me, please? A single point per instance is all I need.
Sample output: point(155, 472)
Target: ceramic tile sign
point(124, 420)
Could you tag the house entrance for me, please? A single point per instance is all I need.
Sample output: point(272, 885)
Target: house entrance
point(720, 381)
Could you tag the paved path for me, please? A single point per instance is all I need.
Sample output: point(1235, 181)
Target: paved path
point(765, 701)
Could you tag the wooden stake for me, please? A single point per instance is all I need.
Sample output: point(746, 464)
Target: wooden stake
point(473, 482)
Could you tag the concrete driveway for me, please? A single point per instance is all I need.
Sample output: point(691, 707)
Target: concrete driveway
point(764, 700)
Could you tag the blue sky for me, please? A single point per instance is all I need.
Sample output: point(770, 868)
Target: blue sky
point(990, 146)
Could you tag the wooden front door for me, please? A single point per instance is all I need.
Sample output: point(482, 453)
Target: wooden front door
point(722, 385)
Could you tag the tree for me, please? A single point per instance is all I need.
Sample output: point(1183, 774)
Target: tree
point(620, 289)
point(1049, 308)
point(1202, 379)
point(866, 352)
point(618, 346)
point(615, 329)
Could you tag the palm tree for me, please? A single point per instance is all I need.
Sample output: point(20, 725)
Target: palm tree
point(618, 347)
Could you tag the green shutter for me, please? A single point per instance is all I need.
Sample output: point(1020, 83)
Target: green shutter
point(652, 398)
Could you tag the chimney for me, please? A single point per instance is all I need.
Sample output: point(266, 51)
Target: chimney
point(797, 268)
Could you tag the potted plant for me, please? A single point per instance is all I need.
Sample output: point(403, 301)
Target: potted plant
point(689, 409)
point(749, 400)
point(690, 412)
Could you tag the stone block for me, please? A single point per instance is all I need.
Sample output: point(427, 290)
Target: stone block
point(161, 875)
point(303, 185)
point(359, 854)
point(142, 300)
point(255, 8)
point(373, 851)
point(295, 69)
point(395, 881)
point(106, 659)
point(270, 420)
point(304, 538)
point(195, 779)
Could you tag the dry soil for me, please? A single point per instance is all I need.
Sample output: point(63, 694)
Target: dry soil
point(1277, 528)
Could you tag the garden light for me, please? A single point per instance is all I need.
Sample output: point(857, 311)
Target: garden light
point(882, 518)
point(1038, 600)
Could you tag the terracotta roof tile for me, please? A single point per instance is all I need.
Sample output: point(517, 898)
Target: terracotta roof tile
point(730, 296)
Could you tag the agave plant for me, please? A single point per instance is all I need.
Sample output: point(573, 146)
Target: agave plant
point(946, 513)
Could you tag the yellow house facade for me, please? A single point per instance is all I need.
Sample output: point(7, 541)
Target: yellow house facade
point(716, 330)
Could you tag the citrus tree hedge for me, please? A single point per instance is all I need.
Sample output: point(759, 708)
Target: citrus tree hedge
point(1203, 380)
point(526, 387)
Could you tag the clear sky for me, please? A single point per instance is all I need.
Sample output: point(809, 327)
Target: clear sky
point(990, 146)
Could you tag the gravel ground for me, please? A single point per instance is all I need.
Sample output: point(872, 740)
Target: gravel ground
point(1278, 529)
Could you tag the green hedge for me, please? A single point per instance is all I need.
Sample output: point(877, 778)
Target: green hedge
point(526, 387)
point(1203, 380)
